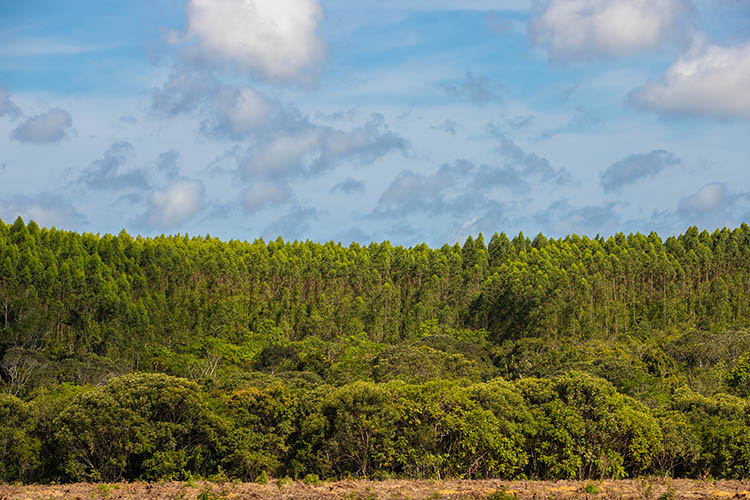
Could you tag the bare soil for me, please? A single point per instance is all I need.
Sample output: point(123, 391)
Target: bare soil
point(648, 489)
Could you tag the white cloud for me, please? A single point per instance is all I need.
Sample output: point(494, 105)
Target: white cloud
point(228, 111)
point(172, 206)
point(586, 29)
point(245, 109)
point(364, 144)
point(275, 39)
point(709, 197)
point(314, 149)
point(708, 80)
point(284, 155)
point(108, 172)
point(7, 106)
point(713, 205)
point(262, 194)
point(45, 128)
point(634, 168)
point(241, 112)
point(46, 209)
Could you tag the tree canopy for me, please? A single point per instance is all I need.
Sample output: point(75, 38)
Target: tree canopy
point(144, 358)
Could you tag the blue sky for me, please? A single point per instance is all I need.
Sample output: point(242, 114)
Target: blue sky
point(420, 121)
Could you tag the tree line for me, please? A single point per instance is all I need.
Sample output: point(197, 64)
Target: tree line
point(178, 356)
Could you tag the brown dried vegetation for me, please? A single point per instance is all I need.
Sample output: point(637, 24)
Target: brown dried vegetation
point(647, 489)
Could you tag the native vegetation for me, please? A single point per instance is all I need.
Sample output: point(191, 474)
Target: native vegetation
point(176, 357)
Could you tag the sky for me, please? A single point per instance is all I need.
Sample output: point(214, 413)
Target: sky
point(350, 120)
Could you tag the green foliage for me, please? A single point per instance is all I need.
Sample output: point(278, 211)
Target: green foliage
point(360, 428)
point(264, 420)
point(584, 428)
point(19, 447)
point(138, 426)
point(591, 489)
point(419, 364)
point(164, 358)
point(208, 494)
point(721, 429)
point(311, 479)
point(738, 378)
point(501, 495)
point(469, 431)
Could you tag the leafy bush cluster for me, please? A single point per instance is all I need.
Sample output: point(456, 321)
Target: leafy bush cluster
point(178, 357)
point(153, 426)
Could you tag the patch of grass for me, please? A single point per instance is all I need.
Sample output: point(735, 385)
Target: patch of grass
point(190, 482)
point(501, 495)
point(283, 481)
point(104, 489)
point(591, 489)
point(210, 495)
point(311, 479)
point(219, 477)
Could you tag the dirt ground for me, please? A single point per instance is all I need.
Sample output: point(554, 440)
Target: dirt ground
point(648, 489)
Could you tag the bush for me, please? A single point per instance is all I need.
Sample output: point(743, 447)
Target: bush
point(583, 429)
point(19, 448)
point(140, 426)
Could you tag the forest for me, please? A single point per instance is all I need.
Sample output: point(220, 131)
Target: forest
point(179, 357)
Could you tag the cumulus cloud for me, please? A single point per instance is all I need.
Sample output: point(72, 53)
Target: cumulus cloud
point(636, 167)
point(467, 198)
point(108, 173)
point(477, 89)
point(411, 191)
point(282, 157)
point(465, 190)
point(276, 40)
point(280, 143)
point(449, 195)
point(447, 190)
point(348, 186)
point(528, 164)
point(713, 205)
point(709, 198)
point(315, 149)
point(240, 112)
point(364, 144)
point(173, 205)
point(262, 194)
point(7, 106)
point(168, 164)
point(709, 80)
point(185, 90)
point(45, 128)
point(228, 112)
point(46, 209)
point(586, 29)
